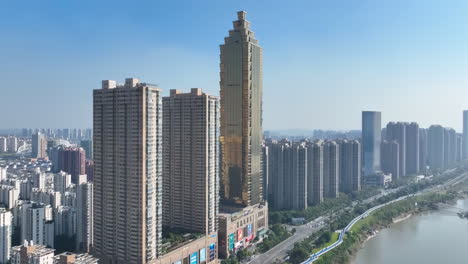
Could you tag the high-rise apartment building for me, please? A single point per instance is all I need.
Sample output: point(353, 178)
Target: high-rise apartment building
point(450, 146)
point(39, 146)
point(84, 217)
point(465, 134)
point(3, 144)
point(397, 132)
point(34, 221)
point(412, 148)
point(265, 171)
point(297, 175)
point(191, 161)
point(331, 169)
point(127, 172)
point(423, 149)
point(87, 145)
point(371, 141)
point(391, 158)
point(436, 147)
point(350, 166)
point(315, 173)
point(276, 187)
point(241, 115)
point(6, 230)
point(73, 161)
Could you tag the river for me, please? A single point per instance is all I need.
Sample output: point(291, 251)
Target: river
point(431, 238)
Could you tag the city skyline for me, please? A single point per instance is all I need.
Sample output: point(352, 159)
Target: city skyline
point(371, 64)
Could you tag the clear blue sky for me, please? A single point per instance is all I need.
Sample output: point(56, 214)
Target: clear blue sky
point(324, 61)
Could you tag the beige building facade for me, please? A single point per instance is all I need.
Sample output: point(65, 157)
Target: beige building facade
point(127, 172)
point(191, 161)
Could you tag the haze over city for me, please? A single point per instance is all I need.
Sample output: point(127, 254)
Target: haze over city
point(324, 61)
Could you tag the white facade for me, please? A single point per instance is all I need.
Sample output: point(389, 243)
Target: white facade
point(33, 222)
point(9, 196)
point(5, 235)
point(32, 254)
point(62, 181)
point(3, 144)
point(39, 180)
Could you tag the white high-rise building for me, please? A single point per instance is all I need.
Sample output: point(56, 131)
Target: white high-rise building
point(127, 125)
point(33, 222)
point(3, 144)
point(465, 134)
point(84, 206)
point(3, 173)
point(62, 181)
point(5, 235)
point(39, 180)
point(9, 196)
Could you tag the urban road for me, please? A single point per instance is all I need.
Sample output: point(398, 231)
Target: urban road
point(280, 251)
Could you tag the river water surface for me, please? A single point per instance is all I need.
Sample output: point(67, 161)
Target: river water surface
point(432, 238)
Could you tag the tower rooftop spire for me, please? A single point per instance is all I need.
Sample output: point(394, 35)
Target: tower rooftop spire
point(241, 15)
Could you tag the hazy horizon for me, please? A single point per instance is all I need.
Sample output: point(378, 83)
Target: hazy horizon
point(324, 61)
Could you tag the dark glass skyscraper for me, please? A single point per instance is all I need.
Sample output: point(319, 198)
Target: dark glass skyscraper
point(371, 140)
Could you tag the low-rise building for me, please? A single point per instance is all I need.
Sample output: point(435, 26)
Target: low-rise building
point(238, 227)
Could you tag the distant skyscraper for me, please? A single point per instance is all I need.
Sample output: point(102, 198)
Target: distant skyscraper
point(465, 134)
point(350, 169)
point(459, 147)
point(298, 177)
point(371, 141)
point(391, 158)
point(87, 145)
point(6, 230)
point(3, 144)
point(331, 169)
point(73, 161)
point(241, 115)
point(265, 171)
point(423, 149)
point(12, 144)
point(191, 161)
point(277, 196)
point(39, 146)
point(397, 132)
point(450, 144)
point(127, 172)
point(315, 173)
point(436, 149)
point(412, 148)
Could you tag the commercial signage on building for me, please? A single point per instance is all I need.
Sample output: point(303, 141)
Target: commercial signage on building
point(178, 262)
point(249, 229)
point(240, 234)
point(202, 255)
point(194, 258)
point(231, 239)
point(212, 251)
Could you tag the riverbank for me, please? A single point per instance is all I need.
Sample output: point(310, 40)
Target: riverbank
point(379, 220)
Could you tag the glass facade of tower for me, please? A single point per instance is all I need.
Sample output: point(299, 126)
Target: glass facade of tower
point(241, 115)
point(371, 140)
